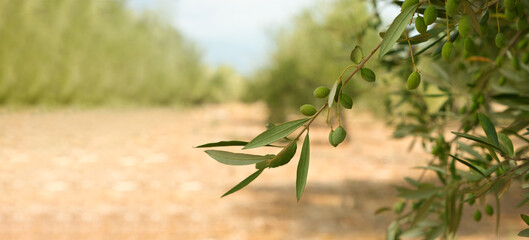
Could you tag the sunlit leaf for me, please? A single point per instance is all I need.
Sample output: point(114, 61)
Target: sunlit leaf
point(489, 129)
point(332, 94)
point(395, 30)
point(303, 167)
point(236, 159)
point(244, 182)
point(275, 133)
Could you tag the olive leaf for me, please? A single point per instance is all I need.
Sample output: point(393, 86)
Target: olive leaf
point(507, 144)
point(333, 93)
point(489, 129)
point(303, 167)
point(525, 218)
point(275, 133)
point(468, 165)
point(223, 144)
point(244, 182)
point(395, 29)
point(524, 233)
point(237, 159)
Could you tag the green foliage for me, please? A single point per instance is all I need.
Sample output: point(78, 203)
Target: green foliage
point(309, 53)
point(475, 128)
point(91, 52)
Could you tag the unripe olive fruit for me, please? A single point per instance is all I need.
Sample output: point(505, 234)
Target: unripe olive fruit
point(499, 40)
point(472, 200)
point(446, 52)
point(477, 216)
point(465, 25)
point(339, 135)
point(368, 74)
point(469, 44)
point(357, 55)
point(407, 4)
point(489, 210)
point(451, 7)
point(321, 92)
point(436, 150)
point(499, 60)
point(510, 14)
point(430, 15)
point(307, 110)
point(414, 80)
point(502, 81)
point(522, 44)
point(398, 207)
point(346, 101)
point(420, 25)
point(525, 58)
point(331, 140)
point(509, 4)
point(521, 24)
point(515, 64)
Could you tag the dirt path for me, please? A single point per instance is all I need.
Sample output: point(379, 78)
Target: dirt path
point(133, 174)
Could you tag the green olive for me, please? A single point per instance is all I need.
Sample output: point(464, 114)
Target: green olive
point(346, 101)
point(398, 207)
point(420, 25)
point(499, 40)
point(321, 92)
point(477, 216)
point(446, 52)
point(465, 25)
point(489, 210)
point(430, 15)
point(368, 74)
point(339, 135)
point(414, 80)
point(308, 110)
point(451, 7)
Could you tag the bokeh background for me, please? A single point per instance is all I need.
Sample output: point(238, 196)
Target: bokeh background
point(102, 101)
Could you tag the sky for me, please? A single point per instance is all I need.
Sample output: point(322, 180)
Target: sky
point(229, 32)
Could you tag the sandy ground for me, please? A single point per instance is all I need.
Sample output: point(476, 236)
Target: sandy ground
point(133, 174)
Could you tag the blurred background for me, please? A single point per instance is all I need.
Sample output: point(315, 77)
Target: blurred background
point(101, 102)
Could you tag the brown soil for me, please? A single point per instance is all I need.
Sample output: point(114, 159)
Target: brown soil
point(133, 174)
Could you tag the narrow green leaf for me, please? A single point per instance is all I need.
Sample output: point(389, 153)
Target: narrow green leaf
point(395, 30)
point(332, 94)
point(244, 182)
point(525, 218)
point(524, 233)
point(236, 159)
point(506, 143)
point(468, 165)
point(275, 133)
point(423, 211)
point(303, 167)
point(223, 144)
point(489, 129)
point(414, 232)
point(421, 193)
point(392, 230)
point(477, 139)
